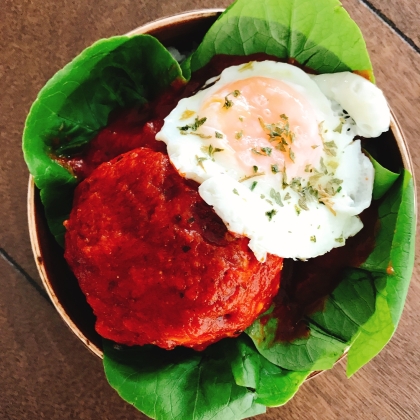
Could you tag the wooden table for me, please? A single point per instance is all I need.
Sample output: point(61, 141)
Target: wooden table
point(45, 372)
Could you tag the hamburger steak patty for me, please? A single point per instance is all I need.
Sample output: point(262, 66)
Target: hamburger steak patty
point(156, 263)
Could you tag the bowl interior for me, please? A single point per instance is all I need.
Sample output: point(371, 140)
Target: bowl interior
point(182, 31)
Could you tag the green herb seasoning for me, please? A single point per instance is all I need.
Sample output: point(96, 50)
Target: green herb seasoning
point(291, 155)
point(313, 238)
point(296, 184)
point(187, 114)
point(192, 128)
point(330, 148)
point(284, 178)
point(264, 151)
point(302, 204)
point(333, 186)
point(210, 150)
point(247, 66)
point(270, 214)
point(235, 191)
point(275, 195)
point(200, 161)
point(324, 197)
point(251, 176)
point(195, 125)
point(201, 135)
point(280, 134)
point(313, 179)
point(218, 135)
point(340, 239)
point(339, 127)
point(253, 185)
point(324, 169)
point(280, 146)
point(228, 103)
point(333, 164)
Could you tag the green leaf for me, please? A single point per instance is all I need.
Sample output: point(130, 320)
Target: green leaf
point(57, 201)
point(317, 34)
point(402, 250)
point(374, 334)
point(180, 384)
point(273, 385)
point(393, 258)
point(186, 67)
point(75, 104)
point(384, 179)
point(319, 351)
point(396, 214)
point(350, 305)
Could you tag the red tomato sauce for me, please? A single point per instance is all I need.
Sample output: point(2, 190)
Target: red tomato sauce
point(156, 263)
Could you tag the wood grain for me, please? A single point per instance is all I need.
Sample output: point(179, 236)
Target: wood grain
point(46, 372)
point(405, 14)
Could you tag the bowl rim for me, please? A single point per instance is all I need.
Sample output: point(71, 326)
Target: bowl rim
point(156, 25)
point(188, 16)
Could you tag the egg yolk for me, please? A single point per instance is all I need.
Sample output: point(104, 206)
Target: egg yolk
point(268, 123)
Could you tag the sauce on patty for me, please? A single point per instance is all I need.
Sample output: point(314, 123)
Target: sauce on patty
point(156, 263)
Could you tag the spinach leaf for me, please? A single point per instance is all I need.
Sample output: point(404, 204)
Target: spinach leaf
point(179, 384)
point(396, 217)
point(319, 351)
point(374, 334)
point(273, 385)
point(349, 306)
point(75, 104)
point(384, 179)
point(402, 252)
point(317, 34)
point(57, 200)
point(391, 263)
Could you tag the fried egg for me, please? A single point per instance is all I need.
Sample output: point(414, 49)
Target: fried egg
point(274, 151)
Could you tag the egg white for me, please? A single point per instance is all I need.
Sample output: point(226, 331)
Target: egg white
point(275, 210)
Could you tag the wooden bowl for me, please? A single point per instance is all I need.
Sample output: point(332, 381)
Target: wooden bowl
point(61, 285)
